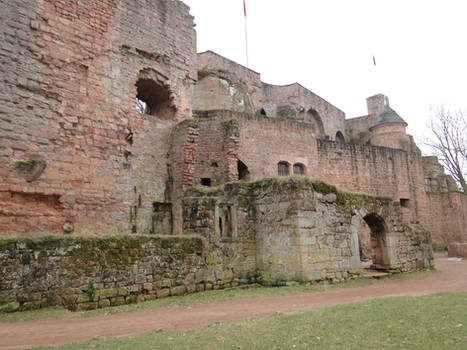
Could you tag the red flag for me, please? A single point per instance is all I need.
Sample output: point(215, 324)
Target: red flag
point(244, 8)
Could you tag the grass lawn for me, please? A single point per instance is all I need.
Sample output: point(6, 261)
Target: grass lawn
point(429, 322)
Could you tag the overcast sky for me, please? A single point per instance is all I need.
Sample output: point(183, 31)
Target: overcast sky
point(420, 48)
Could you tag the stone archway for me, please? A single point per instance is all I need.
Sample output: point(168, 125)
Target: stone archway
point(370, 241)
point(378, 241)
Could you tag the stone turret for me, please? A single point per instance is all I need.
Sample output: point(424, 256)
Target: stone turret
point(389, 130)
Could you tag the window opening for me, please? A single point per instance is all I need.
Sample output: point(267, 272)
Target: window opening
point(340, 137)
point(298, 169)
point(154, 99)
point(242, 169)
point(283, 169)
point(206, 182)
point(405, 203)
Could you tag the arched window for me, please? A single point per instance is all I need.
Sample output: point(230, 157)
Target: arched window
point(339, 137)
point(316, 123)
point(283, 169)
point(262, 112)
point(298, 169)
point(153, 95)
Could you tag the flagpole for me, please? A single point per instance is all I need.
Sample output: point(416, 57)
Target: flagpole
point(246, 33)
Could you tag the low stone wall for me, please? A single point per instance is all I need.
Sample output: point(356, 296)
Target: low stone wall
point(86, 273)
point(457, 250)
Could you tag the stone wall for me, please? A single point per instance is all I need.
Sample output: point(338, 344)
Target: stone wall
point(260, 143)
point(457, 250)
point(303, 229)
point(87, 273)
point(297, 103)
point(74, 149)
point(270, 231)
point(226, 85)
point(227, 221)
point(357, 129)
point(448, 213)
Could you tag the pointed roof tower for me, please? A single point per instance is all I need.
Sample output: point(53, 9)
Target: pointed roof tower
point(387, 115)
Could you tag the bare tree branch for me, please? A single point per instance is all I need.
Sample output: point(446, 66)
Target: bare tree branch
point(449, 142)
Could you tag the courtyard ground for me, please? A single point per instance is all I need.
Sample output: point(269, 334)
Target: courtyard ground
point(452, 277)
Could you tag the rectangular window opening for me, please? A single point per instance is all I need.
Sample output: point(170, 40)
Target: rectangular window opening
point(206, 182)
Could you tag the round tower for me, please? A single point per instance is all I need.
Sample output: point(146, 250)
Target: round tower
point(389, 130)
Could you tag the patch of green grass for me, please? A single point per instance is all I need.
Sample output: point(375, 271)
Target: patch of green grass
point(189, 299)
point(230, 294)
point(50, 312)
point(415, 274)
point(429, 322)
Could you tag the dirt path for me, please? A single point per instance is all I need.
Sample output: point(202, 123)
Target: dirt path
point(452, 278)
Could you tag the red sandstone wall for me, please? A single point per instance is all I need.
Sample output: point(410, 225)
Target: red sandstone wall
point(261, 143)
point(357, 129)
point(302, 100)
point(227, 85)
point(67, 94)
point(448, 217)
point(391, 135)
point(374, 170)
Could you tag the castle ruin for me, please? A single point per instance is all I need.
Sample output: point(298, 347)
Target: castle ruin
point(112, 124)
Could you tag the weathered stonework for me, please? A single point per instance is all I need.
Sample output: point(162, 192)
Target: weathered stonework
point(69, 72)
point(304, 230)
point(109, 124)
point(87, 273)
point(457, 250)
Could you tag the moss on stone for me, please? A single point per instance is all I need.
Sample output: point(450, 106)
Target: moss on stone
point(231, 126)
point(6, 244)
point(266, 278)
point(10, 307)
point(212, 259)
point(324, 188)
point(27, 163)
point(197, 191)
point(109, 250)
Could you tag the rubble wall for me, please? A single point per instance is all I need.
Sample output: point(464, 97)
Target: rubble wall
point(88, 273)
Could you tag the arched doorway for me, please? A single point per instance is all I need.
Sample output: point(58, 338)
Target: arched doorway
point(372, 241)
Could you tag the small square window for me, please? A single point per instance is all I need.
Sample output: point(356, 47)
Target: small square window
point(206, 182)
